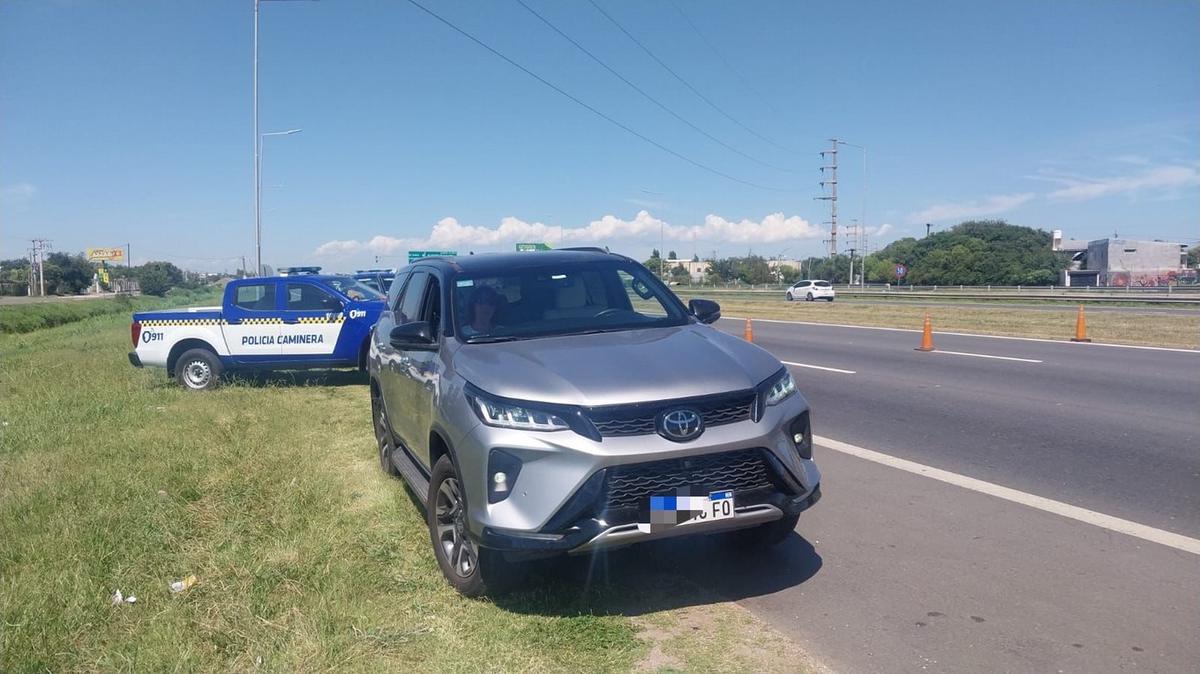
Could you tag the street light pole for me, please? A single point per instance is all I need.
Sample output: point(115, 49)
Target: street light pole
point(258, 154)
point(257, 148)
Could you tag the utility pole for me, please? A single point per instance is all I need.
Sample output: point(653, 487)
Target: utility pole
point(850, 282)
point(40, 246)
point(928, 226)
point(128, 256)
point(32, 274)
point(832, 198)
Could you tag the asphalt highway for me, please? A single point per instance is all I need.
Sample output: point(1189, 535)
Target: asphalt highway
point(896, 571)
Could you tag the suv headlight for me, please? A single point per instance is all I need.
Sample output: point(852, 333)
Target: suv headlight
point(509, 414)
point(781, 389)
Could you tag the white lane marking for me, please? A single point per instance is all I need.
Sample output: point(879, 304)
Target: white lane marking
point(1142, 531)
point(984, 355)
point(969, 334)
point(817, 367)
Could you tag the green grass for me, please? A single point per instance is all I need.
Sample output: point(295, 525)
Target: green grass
point(308, 557)
point(27, 317)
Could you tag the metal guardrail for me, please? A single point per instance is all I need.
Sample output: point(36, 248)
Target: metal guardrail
point(1148, 295)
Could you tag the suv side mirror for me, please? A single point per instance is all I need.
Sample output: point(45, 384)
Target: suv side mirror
point(415, 336)
point(705, 311)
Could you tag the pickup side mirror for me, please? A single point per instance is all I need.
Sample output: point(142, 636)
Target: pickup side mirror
point(415, 336)
point(705, 311)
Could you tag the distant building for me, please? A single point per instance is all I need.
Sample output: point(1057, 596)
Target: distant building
point(1124, 262)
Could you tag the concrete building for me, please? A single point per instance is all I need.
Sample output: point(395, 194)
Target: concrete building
point(1124, 262)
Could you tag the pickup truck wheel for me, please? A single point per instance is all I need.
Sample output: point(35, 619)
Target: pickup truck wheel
point(766, 535)
point(198, 370)
point(383, 434)
point(471, 570)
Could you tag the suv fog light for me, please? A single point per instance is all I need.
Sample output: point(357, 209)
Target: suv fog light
point(503, 469)
point(500, 482)
point(801, 435)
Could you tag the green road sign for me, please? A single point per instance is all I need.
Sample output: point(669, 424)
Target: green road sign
point(414, 255)
point(530, 247)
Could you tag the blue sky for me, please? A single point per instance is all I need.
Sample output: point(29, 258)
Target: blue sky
point(129, 121)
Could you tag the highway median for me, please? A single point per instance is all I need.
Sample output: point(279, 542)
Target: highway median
point(1173, 329)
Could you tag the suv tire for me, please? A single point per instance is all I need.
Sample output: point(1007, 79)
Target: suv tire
point(471, 570)
point(789, 296)
point(809, 298)
point(383, 434)
point(766, 535)
point(198, 369)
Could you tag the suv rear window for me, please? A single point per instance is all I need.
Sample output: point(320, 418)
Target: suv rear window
point(255, 297)
point(821, 284)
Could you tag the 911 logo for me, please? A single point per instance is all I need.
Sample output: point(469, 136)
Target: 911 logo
point(357, 313)
point(150, 336)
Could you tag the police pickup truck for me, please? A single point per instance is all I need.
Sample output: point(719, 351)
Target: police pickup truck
point(300, 320)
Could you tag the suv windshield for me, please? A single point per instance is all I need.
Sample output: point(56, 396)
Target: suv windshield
point(354, 289)
point(563, 299)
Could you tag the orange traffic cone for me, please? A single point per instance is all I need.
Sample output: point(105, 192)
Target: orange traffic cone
point(749, 331)
point(927, 335)
point(1080, 327)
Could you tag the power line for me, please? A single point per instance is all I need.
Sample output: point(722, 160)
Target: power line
point(649, 97)
point(591, 109)
point(685, 83)
point(713, 48)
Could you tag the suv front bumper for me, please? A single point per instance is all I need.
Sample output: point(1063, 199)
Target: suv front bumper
point(561, 499)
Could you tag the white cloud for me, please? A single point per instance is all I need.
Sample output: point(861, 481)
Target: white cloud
point(882, 230)
point(993, 205)
point(1158, 179)
point(17, 194)
point(451, 234)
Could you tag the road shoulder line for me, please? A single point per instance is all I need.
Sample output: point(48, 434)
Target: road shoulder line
point(986, 355)
point(1142, 531)
point(819, 367)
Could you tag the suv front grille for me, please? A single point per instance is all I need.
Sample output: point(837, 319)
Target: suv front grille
point(740, 470)
point(640, 418)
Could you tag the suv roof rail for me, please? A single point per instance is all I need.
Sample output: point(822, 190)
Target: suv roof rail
point(587, 249)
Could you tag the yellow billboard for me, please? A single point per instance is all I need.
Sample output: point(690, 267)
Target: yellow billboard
point(109, 254)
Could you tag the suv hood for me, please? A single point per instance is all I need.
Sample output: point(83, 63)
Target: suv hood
point(617, 367)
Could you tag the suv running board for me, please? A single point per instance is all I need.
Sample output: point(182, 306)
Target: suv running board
point(412, 473)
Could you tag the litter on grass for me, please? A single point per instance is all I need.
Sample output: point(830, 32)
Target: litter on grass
point(181, 585)
point(119, 598)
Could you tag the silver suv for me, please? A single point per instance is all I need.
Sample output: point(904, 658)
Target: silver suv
point(568, 402)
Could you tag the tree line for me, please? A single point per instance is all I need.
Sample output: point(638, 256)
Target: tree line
point(977, 252)
point(67, 274)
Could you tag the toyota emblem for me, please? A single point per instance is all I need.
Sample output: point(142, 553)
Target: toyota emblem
point(680, 425)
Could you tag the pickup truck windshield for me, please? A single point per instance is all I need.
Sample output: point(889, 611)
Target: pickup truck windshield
point(558, 300)
point(355, 289)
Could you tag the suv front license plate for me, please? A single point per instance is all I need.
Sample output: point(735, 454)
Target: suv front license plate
point(683, 509)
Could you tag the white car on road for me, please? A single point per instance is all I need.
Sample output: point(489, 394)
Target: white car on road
point(811, 290)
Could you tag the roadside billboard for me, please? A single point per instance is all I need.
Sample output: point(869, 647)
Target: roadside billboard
point(106, 254)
